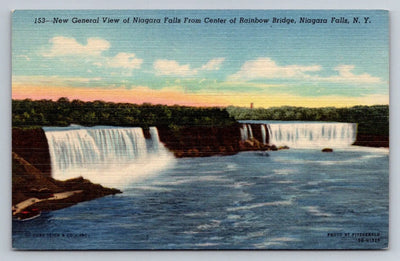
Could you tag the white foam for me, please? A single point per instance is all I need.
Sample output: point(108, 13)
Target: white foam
point(284, 171)
point(213, 224)
point(276, 241)
point(206, 244)
point(259, 205)
point(111, 156)
point(315, 211)
point(313, 135)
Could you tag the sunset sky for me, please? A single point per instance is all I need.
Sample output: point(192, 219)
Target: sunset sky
point(207, 64)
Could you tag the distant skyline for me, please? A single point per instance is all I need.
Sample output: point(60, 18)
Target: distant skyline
point(208, 64)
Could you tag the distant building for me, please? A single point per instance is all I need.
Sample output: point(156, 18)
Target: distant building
point(251, 105)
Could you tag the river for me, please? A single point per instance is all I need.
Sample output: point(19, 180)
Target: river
point(287, 199)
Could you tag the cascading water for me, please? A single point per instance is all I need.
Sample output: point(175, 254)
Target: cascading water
point(246, 132)
point(112, 156)
point(303, 134)
point(309, 135)
point(263, 134)
point(250, 132)
point(155, 140)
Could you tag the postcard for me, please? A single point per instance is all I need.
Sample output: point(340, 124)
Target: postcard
point(200, 129)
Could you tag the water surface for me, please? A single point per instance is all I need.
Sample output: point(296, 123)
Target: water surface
point(292, 199)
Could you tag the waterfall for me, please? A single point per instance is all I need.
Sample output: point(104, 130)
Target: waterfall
point(108, 155)
point(250, 132)
point(263, 134)
point(243, 132)
point(155, 140)
point(246, 132)
point(307, 135)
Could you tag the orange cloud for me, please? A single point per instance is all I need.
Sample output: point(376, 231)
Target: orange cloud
point(139, 95)
point(176, 95)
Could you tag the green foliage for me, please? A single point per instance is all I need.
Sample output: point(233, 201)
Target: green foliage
point(373, 120)
point(28, 113)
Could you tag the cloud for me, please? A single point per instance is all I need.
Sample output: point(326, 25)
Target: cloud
point(173, 68)
point(92, 52)
point(266, 68)
point(125, 60)
point(25, 57)
point(345, 74)
point(285, 99)
point(213, 64)
point(176, 95)
point(67, 46)
point(45, 80)
point(98, 64)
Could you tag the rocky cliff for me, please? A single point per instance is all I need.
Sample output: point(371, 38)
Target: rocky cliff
point(37, 191)
point(31, 144)
point(199, 141)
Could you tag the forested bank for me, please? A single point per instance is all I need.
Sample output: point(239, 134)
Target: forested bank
point(185, 131)
point(28, 113)
point(371, 120)
point(176, 121)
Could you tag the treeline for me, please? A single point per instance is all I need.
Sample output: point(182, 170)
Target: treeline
point(373, 120)
point(29, 113)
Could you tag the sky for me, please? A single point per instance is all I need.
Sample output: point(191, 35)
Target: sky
point(211, 63)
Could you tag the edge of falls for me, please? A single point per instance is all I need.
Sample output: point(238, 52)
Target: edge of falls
point(112, 156)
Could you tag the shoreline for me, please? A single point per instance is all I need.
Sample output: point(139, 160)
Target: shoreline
point(34, 192)
point(31, 173)
point(32, 201)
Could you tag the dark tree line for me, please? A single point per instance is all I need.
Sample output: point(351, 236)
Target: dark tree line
point(371, 119)
point(28, 113)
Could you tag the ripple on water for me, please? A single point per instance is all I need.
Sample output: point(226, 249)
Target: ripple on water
point(259, 205)
point(315, 211)
point(212, 224)
point(276, 241)
point(284, 171)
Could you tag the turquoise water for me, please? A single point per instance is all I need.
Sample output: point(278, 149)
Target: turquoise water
point(291, 199)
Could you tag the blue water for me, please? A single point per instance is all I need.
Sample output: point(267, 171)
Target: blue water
point(292, 199)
